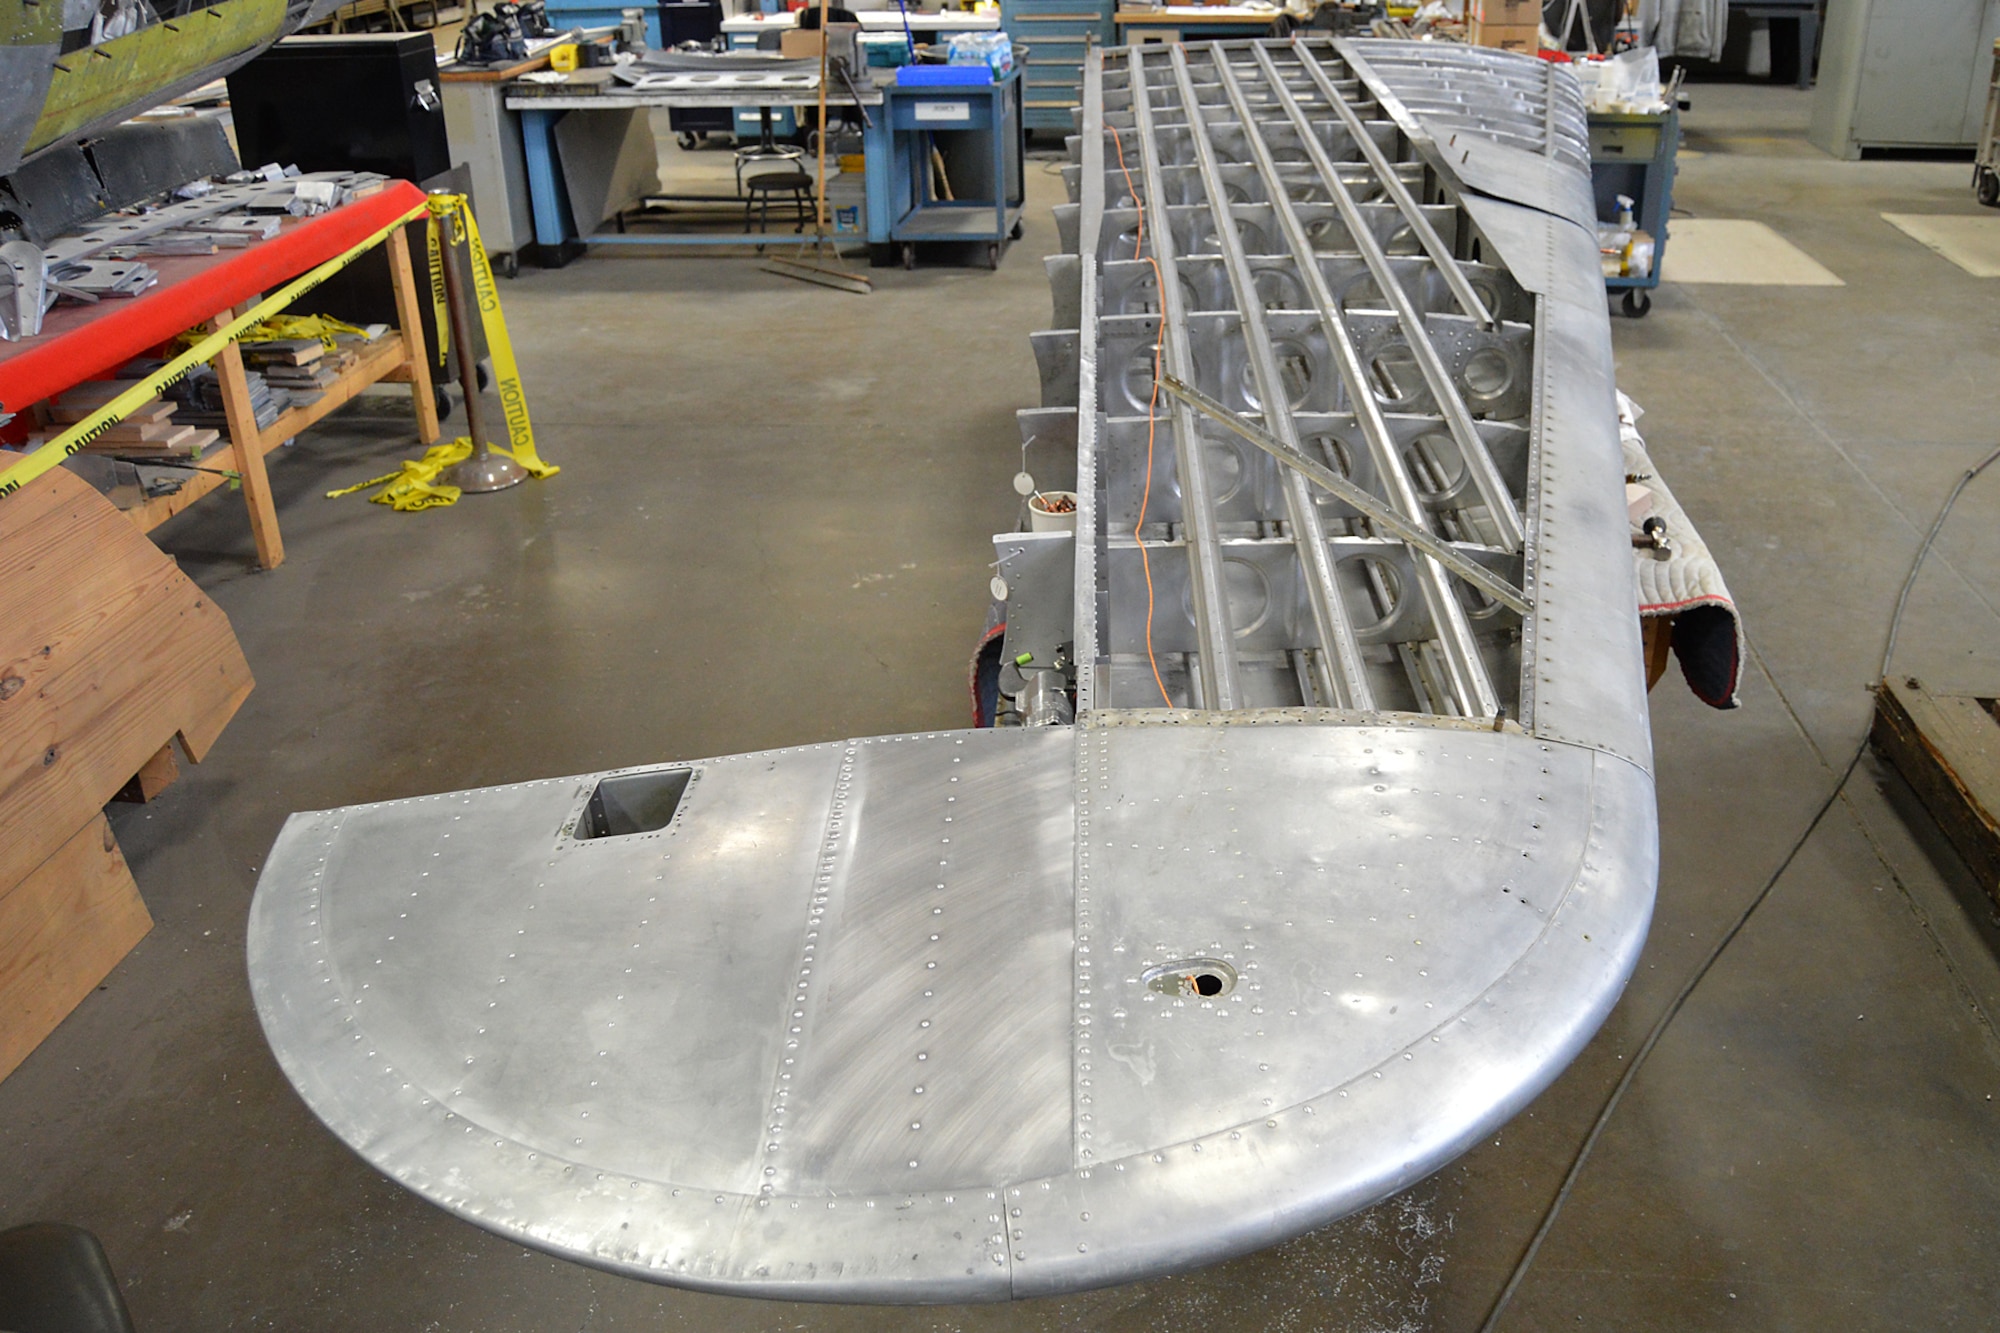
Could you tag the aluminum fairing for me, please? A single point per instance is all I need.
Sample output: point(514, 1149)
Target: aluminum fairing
point(877, 1021)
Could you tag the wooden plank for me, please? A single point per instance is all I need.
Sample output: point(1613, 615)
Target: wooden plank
point(377, 360)
point(410, 330)
point(1656, 636)
point(154, 776)
point(62, 929)
point(1948, 748)
point(246, 443)
point(492, 73)
point(107, 651)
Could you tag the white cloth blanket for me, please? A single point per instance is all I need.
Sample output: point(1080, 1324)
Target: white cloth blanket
point(1687, 584)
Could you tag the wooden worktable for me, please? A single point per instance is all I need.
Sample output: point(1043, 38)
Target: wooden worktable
point(83, 342)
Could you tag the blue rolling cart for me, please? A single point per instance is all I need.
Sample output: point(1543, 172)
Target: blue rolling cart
point(1633, 155)
point(977, 129)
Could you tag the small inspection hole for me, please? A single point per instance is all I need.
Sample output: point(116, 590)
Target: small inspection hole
point(1202, 978)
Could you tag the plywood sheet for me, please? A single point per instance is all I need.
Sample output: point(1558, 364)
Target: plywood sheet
point(1969, 241)
point(107, 651)
point(1737, 252)
point(62, 930)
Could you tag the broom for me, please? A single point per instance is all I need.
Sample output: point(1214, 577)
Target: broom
point(836, 275)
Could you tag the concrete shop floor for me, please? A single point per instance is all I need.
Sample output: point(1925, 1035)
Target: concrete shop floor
point(771, 528)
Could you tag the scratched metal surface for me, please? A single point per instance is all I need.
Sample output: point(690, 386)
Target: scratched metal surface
point(922, 1018)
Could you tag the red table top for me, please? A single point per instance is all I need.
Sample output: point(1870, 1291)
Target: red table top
point(80, 342)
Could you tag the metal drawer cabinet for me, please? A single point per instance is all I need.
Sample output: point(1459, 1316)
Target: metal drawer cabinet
point(1059, 33)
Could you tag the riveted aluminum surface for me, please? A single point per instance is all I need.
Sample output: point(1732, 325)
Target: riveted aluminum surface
point(885, 1020)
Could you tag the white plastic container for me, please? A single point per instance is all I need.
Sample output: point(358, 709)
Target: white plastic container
point(1041, 519)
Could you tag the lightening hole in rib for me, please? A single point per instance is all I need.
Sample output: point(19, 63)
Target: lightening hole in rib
point(1336, 453)
point(1295, 375)
point(1225, 469)
point(1394, 377)
point(1278, 289)
point(1488, 373)
point(1436, 466)
point(1139, 379)
point(1380, 592)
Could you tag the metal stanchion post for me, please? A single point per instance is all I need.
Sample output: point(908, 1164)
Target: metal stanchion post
point(484, 470)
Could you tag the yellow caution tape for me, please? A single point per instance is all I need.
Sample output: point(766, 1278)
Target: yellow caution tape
point(297, 328)
point(410, 485)
point(60, 447)
point(450, 210)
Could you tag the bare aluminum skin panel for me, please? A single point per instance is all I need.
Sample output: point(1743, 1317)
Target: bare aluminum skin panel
point(1258, 940)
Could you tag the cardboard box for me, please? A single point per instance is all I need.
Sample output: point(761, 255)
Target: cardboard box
point(805, 43)
point(1523, 37)
point(1504, 13)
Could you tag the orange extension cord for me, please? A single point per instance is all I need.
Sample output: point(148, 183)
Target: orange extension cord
point(1152, 406)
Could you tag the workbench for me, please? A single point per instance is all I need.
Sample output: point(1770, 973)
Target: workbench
point(83, 342)
point(1198, 23)
point(877, 25)
point(542, 106)
point(486, 140)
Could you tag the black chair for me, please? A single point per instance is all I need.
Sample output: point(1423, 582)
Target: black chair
point(56, 1279)
point(767, 148)
point(798, 184)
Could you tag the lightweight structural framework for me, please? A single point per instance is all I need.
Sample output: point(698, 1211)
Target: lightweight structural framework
point(1317, 839)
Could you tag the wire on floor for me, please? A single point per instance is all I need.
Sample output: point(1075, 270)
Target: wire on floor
point(1687, 989)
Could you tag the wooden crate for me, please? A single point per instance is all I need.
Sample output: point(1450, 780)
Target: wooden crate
point(1522, 37)
point(1947, 747)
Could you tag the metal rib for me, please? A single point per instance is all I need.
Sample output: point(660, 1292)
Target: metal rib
point(1399, 193)
point(1472, 685)
point(1485, 477)
point(1214, 629)
point(1336, 630)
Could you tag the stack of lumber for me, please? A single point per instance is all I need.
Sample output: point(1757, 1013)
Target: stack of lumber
point(107, 654)
point(148, 432)
point(302, 367)
point(200, 396)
